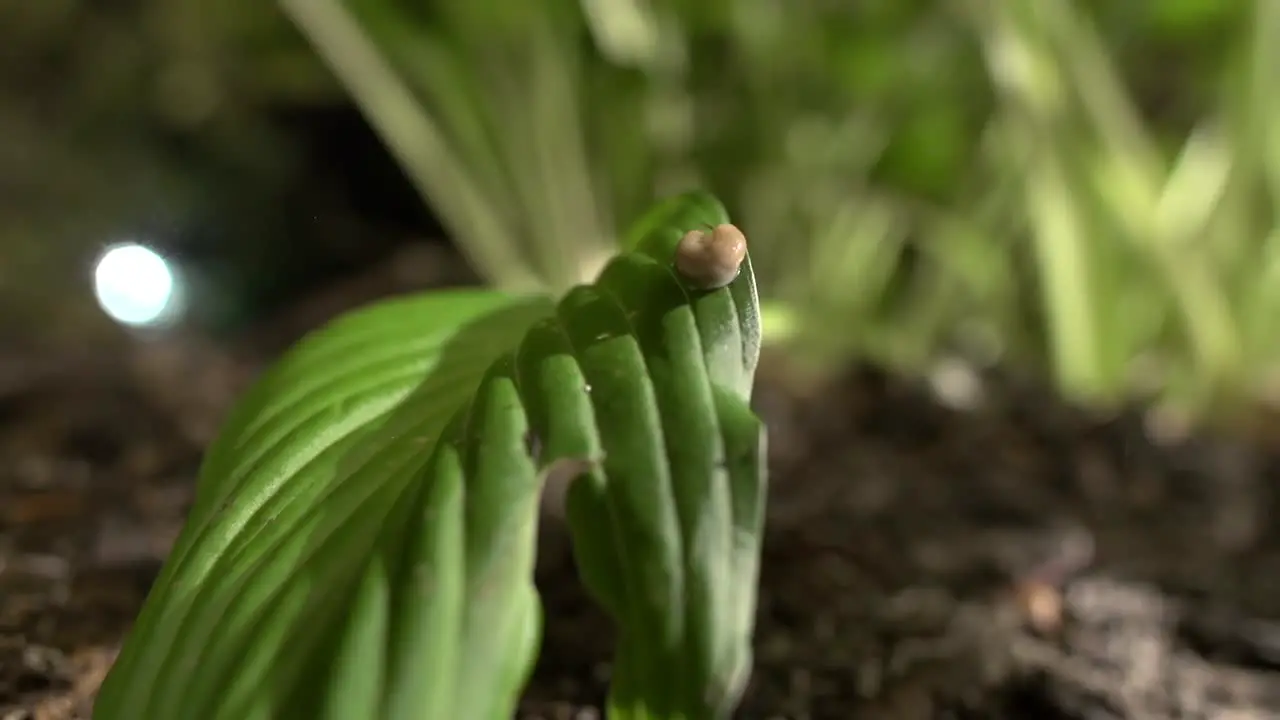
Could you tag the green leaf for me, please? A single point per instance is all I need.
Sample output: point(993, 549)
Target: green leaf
point(362, 543)
point(658, 230)
point(667, 533)
point(305, 522)
point(731, 339)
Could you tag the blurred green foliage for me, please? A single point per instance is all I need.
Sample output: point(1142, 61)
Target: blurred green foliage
point(1086, 187)
point(1090, 187)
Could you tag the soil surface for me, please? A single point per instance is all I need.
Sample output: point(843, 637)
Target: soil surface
point(1016, 560)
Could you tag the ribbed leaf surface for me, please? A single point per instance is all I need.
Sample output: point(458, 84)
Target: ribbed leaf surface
point(363, 539)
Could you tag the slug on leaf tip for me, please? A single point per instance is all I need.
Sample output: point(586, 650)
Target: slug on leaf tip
point(710, 259)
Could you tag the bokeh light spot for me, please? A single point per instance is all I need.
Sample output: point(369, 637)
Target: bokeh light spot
point(134, 284)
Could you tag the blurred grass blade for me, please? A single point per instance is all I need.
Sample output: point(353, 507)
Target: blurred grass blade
point(489, 124)
point(1194, 189)
point(862, 240)
point(545, 147)
point(1134, 156)
point(1063, 251)
point(1262, 102)
point(1182, 225)
point(1028, 75)
point(446, 84)
point(625, 30)
point(413, 136)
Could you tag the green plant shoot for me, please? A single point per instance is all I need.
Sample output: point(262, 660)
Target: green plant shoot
point(363, 537)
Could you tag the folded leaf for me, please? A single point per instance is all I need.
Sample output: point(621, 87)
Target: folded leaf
point(312, 514)
point(363, 539)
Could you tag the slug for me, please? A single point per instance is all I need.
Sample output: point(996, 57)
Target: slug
point(710, 259)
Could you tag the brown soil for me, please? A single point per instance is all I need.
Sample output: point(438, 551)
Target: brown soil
point(1017, 560)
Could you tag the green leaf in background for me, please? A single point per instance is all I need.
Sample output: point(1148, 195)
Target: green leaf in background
point(310, 487)
point(1188, 18)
